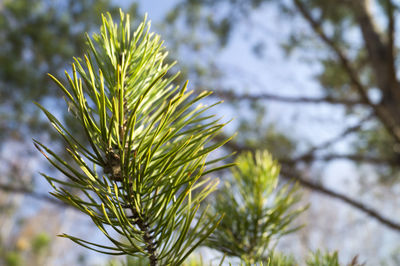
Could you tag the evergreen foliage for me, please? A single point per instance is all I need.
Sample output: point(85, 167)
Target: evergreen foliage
point(257, 211)
point(319, 258)
point(148, 148)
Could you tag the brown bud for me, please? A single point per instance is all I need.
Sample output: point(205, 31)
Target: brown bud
point(113, 166)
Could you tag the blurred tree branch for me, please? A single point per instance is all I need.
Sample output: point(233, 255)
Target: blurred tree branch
point(330, 157)
point(336, 139)
point(230, 95)
point(390, 10)
point(382, 110)
point(292, 174)
point(29, 192)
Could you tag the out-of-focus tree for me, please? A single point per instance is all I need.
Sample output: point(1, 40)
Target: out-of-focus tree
point(354, 45)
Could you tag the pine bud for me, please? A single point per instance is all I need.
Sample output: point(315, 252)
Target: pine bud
point(113, 166)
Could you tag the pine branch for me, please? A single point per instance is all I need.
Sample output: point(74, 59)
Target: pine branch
point(258, 211)
point(143, 175)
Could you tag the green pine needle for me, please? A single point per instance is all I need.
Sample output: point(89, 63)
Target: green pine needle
point(139, 176)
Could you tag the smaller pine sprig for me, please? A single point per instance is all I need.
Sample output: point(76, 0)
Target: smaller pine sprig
point(258, 211)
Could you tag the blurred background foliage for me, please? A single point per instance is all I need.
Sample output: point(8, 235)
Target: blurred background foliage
point(308, 80)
